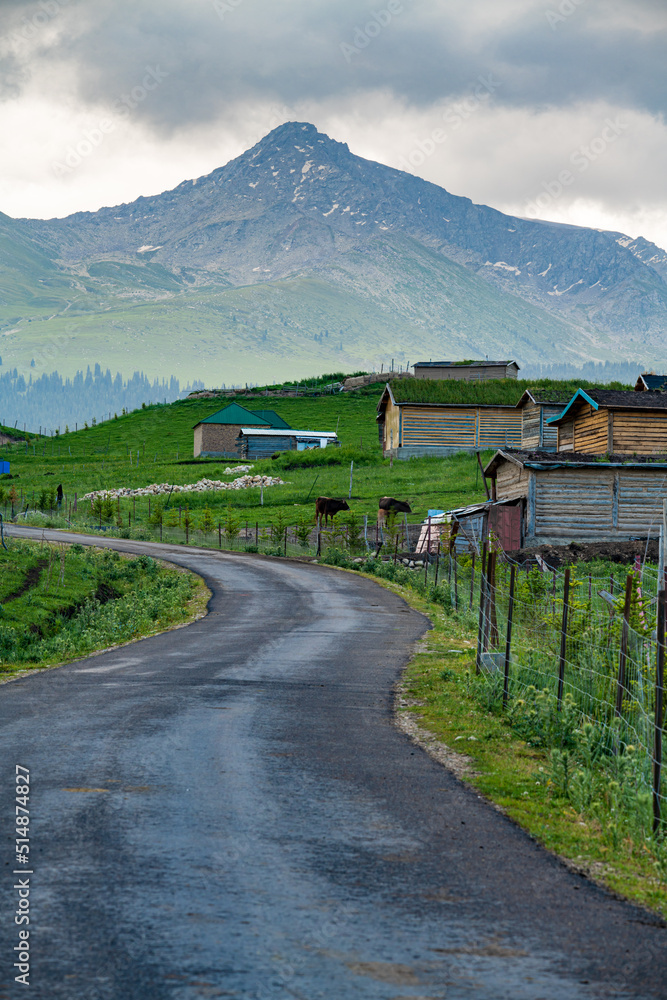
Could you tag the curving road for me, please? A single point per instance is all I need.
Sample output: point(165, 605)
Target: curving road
point(227, 810)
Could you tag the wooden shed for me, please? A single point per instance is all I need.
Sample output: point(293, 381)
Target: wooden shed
point(466, 370)
point(262, 442)
point(580, 498)
point(217, 435)
point(538, 407)
point(613, 422)
point(650, 382)
point(410, 428)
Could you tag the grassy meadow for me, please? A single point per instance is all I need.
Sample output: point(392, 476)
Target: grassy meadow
point(156, 445)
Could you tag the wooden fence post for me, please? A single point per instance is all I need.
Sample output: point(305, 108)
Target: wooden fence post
point(456, 582)
point(482, 611)
point(623, 654)
point(508, 638)
point(659, 686)
point(472, 579)
point(437, 565)
point(219, 535)
point(492, 622)
point(563, 638)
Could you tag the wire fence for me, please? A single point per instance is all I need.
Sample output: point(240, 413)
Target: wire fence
point(576, 662)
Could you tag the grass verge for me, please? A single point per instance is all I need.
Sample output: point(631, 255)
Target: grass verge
point(436, 705)
point(61, 602)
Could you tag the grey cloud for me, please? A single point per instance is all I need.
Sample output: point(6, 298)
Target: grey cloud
point(291, 51)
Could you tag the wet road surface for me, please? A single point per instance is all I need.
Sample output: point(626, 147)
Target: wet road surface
point(227, 810)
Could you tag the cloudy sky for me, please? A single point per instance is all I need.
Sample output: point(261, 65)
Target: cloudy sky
point(547, 108)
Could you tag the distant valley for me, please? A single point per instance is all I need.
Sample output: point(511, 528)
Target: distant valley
point(299, 257)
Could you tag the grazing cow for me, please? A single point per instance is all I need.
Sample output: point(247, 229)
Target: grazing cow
point(325, 506)
point(390, 503)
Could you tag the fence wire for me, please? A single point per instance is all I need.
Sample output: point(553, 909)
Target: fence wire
point(583, 678)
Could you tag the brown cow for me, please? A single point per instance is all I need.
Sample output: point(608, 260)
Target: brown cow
point(327, 507)
point(391, 503)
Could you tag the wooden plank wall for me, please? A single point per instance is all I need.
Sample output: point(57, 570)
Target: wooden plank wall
point(511, 482)
point(465, 374)
point(535, 431)
point(565, 439)
point(464, 427)
point(499, 428)
point(433, 427)
point(590, 431)
point(639, 433)
point(391, 423)
point(598, 503)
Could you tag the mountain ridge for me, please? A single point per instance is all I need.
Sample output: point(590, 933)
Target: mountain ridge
point(299, 209)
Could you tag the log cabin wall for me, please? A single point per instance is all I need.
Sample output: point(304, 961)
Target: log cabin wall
point(498, 427)
point(511, 481)
point(590, 431)
point(466, 373)
point(572, 504)
point(639, 433)
point(592, 504)
point(465, 427)
point(565, 437)
point(392, 426)
point(429, 427)
point(536, 434)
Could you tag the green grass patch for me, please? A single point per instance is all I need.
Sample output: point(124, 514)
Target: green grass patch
point(493, 392)
point(59, 602)
point(155, 445)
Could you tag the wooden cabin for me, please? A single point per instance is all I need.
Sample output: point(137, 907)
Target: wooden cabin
point(538, 407)
point(408, 429)
point(613, 422)
point(217, 435)
point(648, 382)
point(576, 498)
point(262, 442)
point(466, 370)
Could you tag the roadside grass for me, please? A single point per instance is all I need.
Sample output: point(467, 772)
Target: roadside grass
point(439, 695)
point(60, 602)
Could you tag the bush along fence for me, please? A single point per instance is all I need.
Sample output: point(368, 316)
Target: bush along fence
point(576, 664)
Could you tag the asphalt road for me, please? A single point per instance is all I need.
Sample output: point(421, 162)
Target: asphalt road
point(227, 810)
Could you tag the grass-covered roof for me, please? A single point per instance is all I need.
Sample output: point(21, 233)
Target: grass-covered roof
point(499, 392)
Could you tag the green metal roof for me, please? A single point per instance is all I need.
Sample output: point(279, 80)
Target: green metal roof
point(274, 419)
point(234, 413)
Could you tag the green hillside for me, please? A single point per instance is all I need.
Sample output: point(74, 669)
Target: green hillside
point(137, 317)
point(160, 438)
point(155, 445)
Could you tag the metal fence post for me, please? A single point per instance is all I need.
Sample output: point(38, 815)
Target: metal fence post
point(623, 653)
point(563, 638)
point(508, 639)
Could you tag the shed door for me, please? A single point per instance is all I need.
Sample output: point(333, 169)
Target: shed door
point(505, 523)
